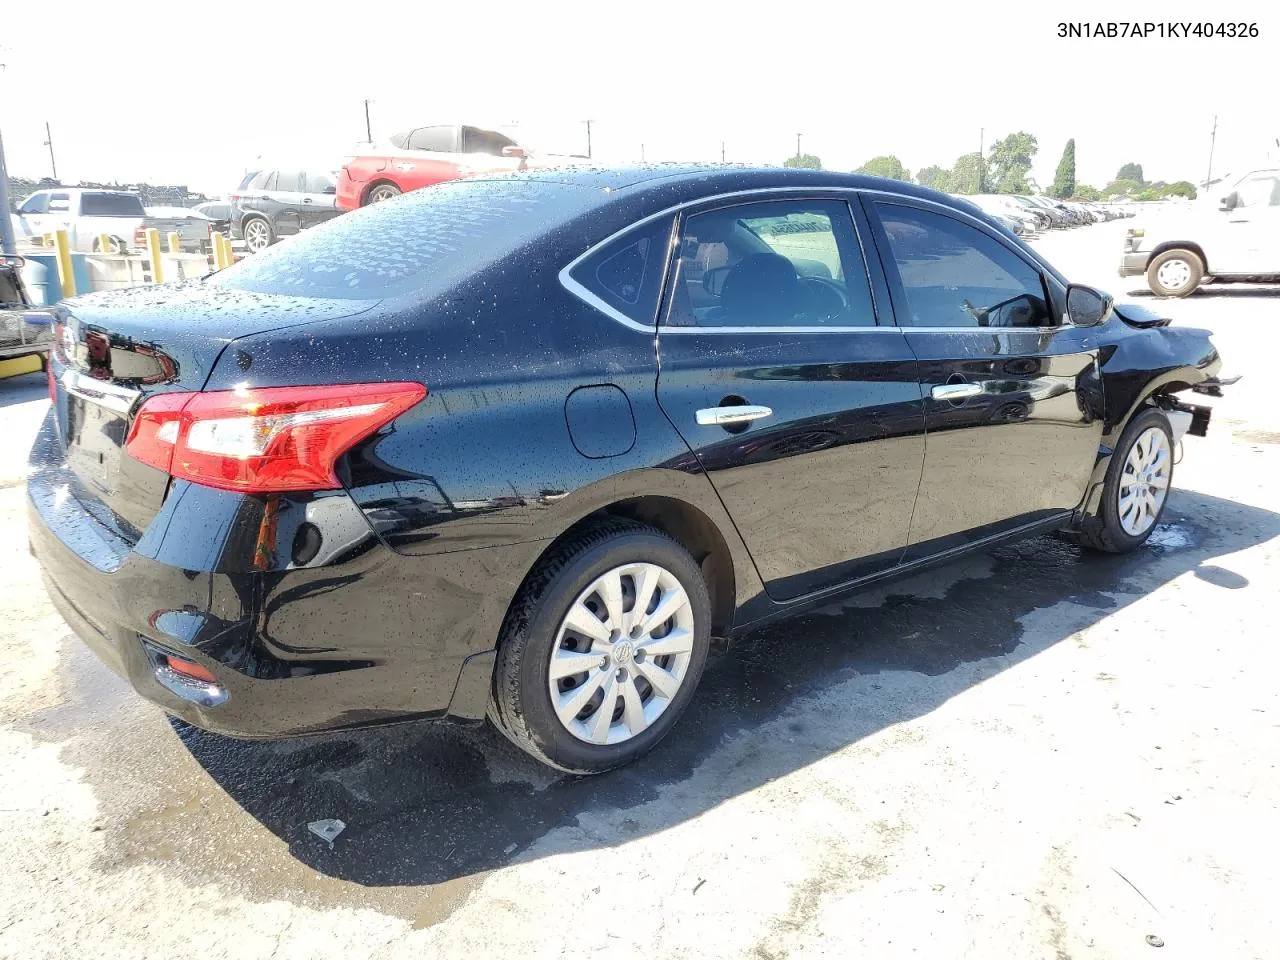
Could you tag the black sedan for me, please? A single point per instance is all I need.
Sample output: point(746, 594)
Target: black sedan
point(523, 446)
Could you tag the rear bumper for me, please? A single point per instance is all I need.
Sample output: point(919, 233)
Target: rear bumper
point(1134, 264)
point(354, 642)
point(349, 192)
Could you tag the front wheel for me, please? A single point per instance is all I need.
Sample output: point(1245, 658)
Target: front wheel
point(1175, 273)
point(602, 650)
point(1136, 489)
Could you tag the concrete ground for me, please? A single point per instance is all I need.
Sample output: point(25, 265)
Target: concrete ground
point(1031, 753)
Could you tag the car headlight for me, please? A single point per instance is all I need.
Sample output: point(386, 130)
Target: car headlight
point(1137, 232)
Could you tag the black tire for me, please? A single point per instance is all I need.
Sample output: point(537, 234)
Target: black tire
point(1103, 531)
point(255, 223)
point(381, 191)
point(1194, 273)
point(521, 705)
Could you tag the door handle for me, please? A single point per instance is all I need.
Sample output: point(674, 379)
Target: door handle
point(719, 416)
point(955, 391)
point(306, 200)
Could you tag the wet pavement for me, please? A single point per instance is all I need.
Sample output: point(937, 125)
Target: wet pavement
point(840, 783)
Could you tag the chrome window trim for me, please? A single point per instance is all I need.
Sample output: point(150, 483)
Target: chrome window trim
point(850, 195)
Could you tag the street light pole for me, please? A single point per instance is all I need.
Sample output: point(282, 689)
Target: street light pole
point(49, 143)
point(1208, 177)
point(722, 151)
point(588, 123)
point(7, 247)
point(797, 146)
point(368, 127)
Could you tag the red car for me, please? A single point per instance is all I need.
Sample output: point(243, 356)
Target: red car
point(426, 155)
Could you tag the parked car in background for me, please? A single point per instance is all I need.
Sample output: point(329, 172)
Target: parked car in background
point(88, 215)
point(1007, 208)
point(1177, 247)
point(219, 211)
point(631, 411)
point(281, 201)
point(433, 154)
point(23, 332)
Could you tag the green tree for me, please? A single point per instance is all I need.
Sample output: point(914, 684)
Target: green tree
point(1182, 188)
point(885, 166)
point(1010, 161)
point(967, 175)
point(1126, 187)
point(1131, 171)
point(935, 177)
point(1064, 180)
point(1086, 192)
point(803, 161)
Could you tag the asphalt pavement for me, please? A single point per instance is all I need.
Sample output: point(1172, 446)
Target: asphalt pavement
point(1032, 752)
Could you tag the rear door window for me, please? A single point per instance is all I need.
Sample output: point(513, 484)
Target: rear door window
point(435, 139)
point(778, 263)
point(288, 181)
point(625, 276)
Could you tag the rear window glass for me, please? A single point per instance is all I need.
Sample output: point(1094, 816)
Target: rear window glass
point(627, 273)
point(422, 243)
point(110, 205)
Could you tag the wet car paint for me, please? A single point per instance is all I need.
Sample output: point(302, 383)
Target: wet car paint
point(458, 498)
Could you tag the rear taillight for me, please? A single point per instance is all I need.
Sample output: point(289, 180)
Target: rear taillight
point(264, 440)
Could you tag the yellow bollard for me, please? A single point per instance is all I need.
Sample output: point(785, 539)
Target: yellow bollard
point(105, 245)
point(153, 254)
point(66, 276)
point(215, 239)
point(228, 256)
point(175, 242)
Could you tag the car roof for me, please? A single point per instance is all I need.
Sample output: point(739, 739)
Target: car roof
point(686, 181)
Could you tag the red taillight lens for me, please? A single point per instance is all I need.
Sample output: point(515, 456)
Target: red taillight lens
point(264, 440)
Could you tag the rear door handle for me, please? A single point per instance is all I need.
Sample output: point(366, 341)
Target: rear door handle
point(955, 391)
point(743, 413)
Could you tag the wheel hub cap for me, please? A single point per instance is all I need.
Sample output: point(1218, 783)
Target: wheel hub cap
point(1144, 482)
point(621, 654)
point(1174, 274)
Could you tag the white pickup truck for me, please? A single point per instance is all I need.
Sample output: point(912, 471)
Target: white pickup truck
point(1238, 238)
point(90, 214)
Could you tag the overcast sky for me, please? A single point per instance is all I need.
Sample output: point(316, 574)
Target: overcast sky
point(238, 80)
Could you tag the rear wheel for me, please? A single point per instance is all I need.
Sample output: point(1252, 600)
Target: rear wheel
point(258, 234)
point(1136, 488)
point(382, 191)
point(602, 650)
point(1175, 273)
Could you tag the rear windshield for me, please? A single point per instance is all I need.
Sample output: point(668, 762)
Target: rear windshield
point(422, 243)
point(110, 205)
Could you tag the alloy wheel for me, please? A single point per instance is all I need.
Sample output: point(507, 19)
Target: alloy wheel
point(383, 192)
point(1144, 482)
point(256, 235)
point(621, 654)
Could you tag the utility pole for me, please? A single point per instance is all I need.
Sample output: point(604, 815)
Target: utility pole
point(588, 123)
point(49, 143)
point(797, 146)
point(982, 160)
point(722, 151)
point(1208, 177)
point(6, 225)
point(642, 153)
point(368, 127)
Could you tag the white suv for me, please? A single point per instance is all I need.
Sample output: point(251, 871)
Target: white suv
point(1239, 239)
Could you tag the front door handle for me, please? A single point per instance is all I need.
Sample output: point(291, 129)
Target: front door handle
point(955, 391)
point(743, 413)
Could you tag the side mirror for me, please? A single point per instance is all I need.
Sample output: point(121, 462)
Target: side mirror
point(514, 151)
point(1230, 201)
point(1087, 307)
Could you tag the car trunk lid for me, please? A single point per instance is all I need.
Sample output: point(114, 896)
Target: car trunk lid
point(112, 351)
